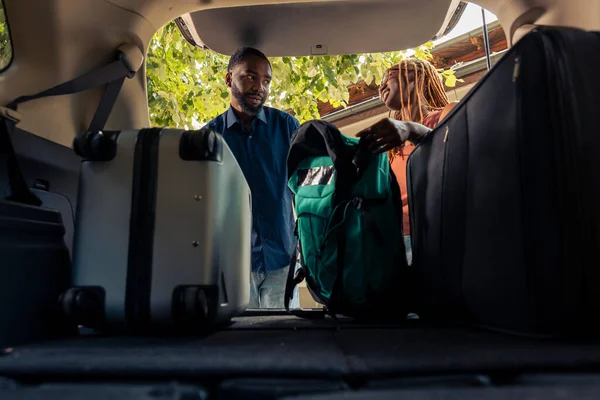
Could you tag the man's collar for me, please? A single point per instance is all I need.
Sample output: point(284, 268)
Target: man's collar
point(231, 118)
point(261, 115)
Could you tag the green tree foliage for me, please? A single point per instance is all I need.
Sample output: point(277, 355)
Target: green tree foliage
point(186, 85)
point(5, 45)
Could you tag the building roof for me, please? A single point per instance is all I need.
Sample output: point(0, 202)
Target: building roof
point(465, 54)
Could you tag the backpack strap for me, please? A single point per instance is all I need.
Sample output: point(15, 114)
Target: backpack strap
point(291, 283)
point(129, 60)
point(338, 284)
point(371, 224)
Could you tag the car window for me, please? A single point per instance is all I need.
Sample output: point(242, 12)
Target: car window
point(5, 43)
point(187, 89)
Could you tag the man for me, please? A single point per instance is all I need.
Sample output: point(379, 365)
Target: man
point(259, 138)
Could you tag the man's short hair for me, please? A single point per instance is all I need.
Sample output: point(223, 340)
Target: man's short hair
point(240, 54)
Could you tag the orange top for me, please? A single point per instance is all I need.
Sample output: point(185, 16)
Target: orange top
point(398, 165)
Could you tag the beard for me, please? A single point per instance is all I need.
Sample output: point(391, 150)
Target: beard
point(247, 108)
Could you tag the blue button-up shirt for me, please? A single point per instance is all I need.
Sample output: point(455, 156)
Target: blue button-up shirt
point(262, 155)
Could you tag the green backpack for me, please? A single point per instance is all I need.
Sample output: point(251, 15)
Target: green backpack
point(349, 224)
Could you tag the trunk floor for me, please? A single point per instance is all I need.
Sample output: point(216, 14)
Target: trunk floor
point(291, 347)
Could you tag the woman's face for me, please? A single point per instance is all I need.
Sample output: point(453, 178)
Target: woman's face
point(389, 91)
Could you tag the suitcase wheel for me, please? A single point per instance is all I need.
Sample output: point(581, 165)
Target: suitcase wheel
point(83, 306)
point(195, 305)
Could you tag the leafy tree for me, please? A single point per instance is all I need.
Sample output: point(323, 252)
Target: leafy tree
point(5, 45)
point(186, 85)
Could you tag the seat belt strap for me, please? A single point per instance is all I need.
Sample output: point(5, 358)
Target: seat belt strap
point(113, 75)
point(115, 70)
point(108, 100)
point(129, 60)
point(19, 191)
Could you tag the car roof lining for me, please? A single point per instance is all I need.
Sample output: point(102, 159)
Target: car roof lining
point(304, 29)
point(62, 40)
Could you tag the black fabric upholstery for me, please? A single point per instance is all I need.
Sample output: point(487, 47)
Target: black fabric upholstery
point(290, 347)
point(535, 393)
point(104, 391)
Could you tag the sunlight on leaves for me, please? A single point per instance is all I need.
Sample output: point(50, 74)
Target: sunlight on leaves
point(186, 85)
point(5, 43)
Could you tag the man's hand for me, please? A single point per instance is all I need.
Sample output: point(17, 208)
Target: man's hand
point(388, 134)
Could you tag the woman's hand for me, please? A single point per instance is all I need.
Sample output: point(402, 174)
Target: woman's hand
point(388, 134)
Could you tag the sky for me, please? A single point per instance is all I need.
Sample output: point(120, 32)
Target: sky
point(471, 19)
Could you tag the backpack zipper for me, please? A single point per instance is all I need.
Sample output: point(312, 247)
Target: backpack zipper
point(516, 69)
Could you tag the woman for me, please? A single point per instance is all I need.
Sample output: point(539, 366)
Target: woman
point(414, 92)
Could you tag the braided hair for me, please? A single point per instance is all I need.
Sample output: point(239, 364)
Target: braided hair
point(429, 89)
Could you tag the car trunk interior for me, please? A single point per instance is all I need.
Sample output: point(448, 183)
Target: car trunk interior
point(266, 353)
point(61, 40)
point(262, 356)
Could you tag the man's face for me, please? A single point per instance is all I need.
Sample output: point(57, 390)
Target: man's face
point(249, 82)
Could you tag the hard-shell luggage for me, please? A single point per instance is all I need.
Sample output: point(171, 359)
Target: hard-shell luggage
point(162, 233)
point(505, 193)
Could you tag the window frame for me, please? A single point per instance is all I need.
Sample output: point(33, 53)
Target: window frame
point(10, 39)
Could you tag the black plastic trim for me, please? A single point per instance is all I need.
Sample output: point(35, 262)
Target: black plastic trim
point(141, 228)
point(201, 145)
point(195, 306)
point(96, 146)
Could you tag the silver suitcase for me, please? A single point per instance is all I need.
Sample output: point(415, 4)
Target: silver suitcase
point(163, 231)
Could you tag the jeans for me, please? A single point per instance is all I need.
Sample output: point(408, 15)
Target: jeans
point(408, 245)
point(267, 289)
